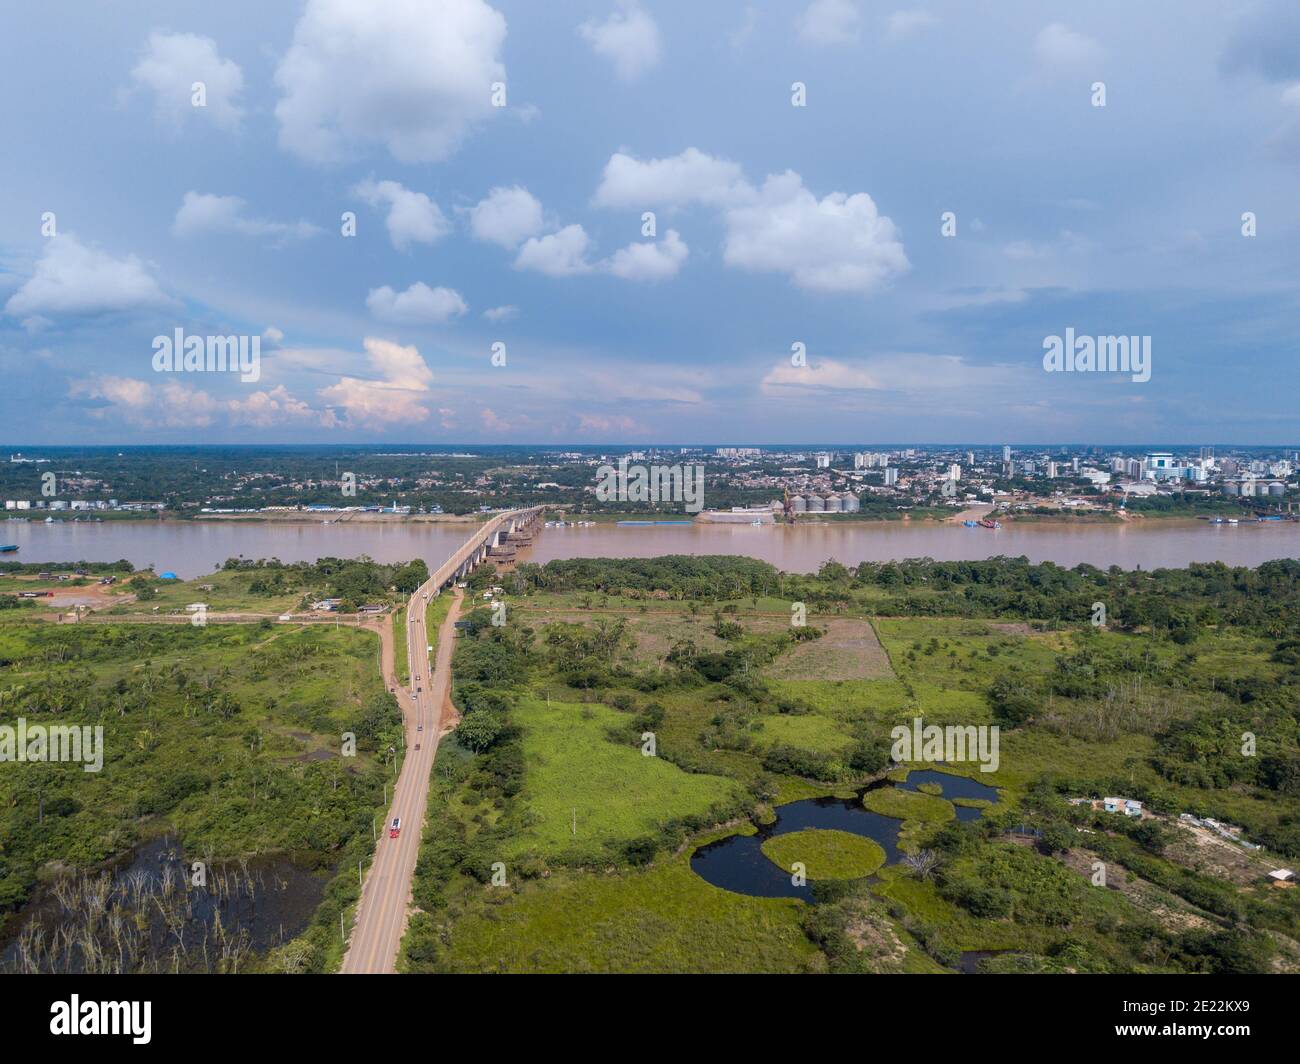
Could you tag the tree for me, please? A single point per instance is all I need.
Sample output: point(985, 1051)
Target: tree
point(922, 863)
point(478, 731)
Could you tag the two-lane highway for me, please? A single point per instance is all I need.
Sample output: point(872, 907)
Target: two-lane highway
point(385, 897)
point(386, 892)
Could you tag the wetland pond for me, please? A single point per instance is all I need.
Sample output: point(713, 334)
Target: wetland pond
point(142, 914)
point(738, 864)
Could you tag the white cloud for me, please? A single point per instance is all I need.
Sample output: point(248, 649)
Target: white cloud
point(413, 218)
point(203, 212)
point(412, 75)
point(830, 22)
point(689, 177)
point(561, 254)
point(649, 261)
point(397, 397)
point(502, 313)
point(172, 65)
point(609, 423)
point(628, 38)
point(418, 305)
point(266, 409)
point(507, 216)
point(826, 375)
point(173, 405)
point(904, 23)
point(840, 243)
point(1059, 49)
point(71, 278)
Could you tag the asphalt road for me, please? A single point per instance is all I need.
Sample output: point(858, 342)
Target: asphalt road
point(386, 894)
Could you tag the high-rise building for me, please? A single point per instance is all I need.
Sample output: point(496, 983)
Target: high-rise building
point(1006, 455)
point(891, 476)
point(954, 472)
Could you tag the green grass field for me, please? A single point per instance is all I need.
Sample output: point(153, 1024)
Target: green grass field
point(825, 854)
point(664, 919)
point(614, 794)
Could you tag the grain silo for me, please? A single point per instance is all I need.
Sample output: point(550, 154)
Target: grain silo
point(816, 504)
point(834, 504)
point(799, 503)
point(851, 503)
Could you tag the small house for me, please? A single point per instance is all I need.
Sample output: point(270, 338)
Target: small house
point(1127, 806)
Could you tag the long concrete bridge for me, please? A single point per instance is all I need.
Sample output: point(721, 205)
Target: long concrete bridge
point(495, 538)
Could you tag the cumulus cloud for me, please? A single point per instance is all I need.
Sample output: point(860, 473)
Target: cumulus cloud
point(266, 409)
point(418, 305)
point(689, 177)
point(1059, 49)
point(71, 278)
point(506, 216)
point(903, 24)
point(174, 62)
point(412, 75)
point(170, 405)
point(203, 212)
point(826, 375)
point(830, 22)
point(839, 243)
point(649, 261)
point(174, 405)
point(561, 254)
point(402, 385)
point(502, 313)
point(629, 39)
point(413, 218)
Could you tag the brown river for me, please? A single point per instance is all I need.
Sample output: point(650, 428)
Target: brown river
point(191, 548)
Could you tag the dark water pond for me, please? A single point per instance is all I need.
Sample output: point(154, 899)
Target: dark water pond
point(952, 787)
point(970, 959)
point(143, 914)
point(737, 863)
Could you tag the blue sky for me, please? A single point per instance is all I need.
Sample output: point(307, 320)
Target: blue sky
point(774, 224)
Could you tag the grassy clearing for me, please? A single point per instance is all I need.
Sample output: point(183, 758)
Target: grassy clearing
point(825, 854)
point(806, 731)
point(224, 592)
point(664, 919)
point(618, 793)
